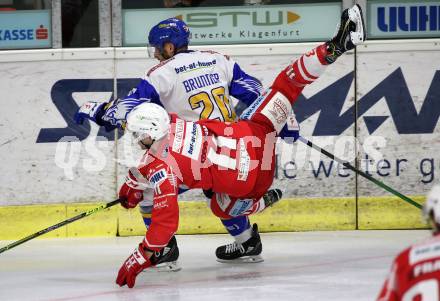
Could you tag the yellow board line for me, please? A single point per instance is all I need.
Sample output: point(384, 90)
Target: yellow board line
point(299, 214)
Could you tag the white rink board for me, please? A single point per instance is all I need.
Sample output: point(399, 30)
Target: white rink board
point(31, 171)
point(404, 87)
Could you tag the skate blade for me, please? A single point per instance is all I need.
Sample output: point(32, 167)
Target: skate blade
point(355, 15)
point(244, 259)
point(172, 266)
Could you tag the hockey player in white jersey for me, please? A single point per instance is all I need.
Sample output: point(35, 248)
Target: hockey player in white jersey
point(194, 84)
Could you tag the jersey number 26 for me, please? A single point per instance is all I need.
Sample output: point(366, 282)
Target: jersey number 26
point(217, 99)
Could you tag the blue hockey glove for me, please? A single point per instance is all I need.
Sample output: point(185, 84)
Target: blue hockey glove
point(290, 131)
point(90, 110)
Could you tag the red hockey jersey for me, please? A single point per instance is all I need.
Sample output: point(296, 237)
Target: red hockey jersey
point(415, 274)
point(233, 158)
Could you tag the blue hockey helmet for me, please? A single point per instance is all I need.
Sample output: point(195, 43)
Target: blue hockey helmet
point(171, 30)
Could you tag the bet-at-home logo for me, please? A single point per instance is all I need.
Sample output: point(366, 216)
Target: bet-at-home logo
point(237, 18)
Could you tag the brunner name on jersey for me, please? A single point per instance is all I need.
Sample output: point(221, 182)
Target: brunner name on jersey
point(201, 81)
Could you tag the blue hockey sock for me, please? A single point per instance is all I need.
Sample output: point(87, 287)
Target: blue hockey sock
point(147, 221)
point(146, 214)
point(239, 227)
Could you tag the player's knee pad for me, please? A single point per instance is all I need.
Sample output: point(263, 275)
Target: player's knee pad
point(217, 205)
point(226, 207)
point(273, 108)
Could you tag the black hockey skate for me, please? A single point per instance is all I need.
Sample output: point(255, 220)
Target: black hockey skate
point(165, 260)
point(350, 32)
point(248, 252)
point(271, 197)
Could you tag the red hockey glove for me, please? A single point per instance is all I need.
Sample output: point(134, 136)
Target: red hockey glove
point(135, 263)
point(129, 197)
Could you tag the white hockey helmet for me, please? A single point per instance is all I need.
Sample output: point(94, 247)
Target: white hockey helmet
point(431, 209)
point(148, 119)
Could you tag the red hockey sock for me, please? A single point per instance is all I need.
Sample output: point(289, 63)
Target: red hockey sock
point(308, 67)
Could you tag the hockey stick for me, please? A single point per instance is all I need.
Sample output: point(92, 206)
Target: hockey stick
point(360, 172)
point(63, 223)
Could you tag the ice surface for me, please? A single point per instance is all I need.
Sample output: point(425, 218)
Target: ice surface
point(343, 266)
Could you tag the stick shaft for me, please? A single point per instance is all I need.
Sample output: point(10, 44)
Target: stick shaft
point(360, 172)
point(60, 224)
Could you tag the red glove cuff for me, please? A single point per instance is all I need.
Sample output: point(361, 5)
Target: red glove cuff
point(130, 197)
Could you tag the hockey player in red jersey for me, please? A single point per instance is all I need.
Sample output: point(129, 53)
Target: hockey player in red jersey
point(203, 93)
point(415, 272)
point(234, 160)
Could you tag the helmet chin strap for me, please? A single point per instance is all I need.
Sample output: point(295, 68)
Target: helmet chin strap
point(147, 146)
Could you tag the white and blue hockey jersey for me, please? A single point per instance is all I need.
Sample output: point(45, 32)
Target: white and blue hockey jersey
point(194, 85)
